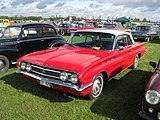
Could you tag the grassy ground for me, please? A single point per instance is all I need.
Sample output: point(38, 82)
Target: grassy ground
point(20, 99)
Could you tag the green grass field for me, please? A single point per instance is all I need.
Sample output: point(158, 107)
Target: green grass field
point(21, 99)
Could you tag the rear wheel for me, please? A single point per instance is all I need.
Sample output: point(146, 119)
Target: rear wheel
point(97, 86)
point(4, 63)
point(62, 32)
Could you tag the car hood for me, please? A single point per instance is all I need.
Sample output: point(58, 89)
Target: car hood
point(66, 58)
point(139, 32)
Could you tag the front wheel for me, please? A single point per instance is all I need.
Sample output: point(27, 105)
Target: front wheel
point(4, 63)
point(97, 87)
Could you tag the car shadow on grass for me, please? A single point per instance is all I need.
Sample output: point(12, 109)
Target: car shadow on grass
point(121, 99)
point(20, 83)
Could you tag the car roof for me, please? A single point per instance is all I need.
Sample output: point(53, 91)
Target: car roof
point(115, 32)
point(30, 24)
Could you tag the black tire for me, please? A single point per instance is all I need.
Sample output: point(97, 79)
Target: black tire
point(4, 64)
point(136, 62)
point(97, 87)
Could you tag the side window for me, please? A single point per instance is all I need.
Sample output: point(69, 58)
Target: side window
point(29, 33)
point(48, 31)
point(123, 41)
point(128, 40)
point(32, 32)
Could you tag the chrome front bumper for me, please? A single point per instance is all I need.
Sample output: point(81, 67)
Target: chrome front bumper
point(69, 85)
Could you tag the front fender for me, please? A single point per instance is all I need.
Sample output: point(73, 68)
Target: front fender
point(154, 82)
point(10, 52)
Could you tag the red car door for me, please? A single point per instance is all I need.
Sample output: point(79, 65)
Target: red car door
point(124, 46)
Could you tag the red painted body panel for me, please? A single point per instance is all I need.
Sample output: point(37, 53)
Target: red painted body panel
point(64, 89)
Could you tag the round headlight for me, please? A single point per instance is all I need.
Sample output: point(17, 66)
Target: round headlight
point(74, 78)
point(28, 67)
point(152, 97)
point(63, 76)
point(23, 65)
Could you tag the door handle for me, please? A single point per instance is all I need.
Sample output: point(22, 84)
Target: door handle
point(42, 40)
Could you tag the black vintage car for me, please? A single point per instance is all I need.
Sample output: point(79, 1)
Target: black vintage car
point(146, 32)
point(23, 38)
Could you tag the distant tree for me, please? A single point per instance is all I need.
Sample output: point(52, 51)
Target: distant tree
point(4, 17)
point(144, 20)
point(137, 20)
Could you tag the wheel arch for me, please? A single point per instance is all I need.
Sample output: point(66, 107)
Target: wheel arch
point(105, 75)
point(139, 55)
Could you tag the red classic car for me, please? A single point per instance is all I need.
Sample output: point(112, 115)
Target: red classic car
point(80, 26)
point(151, 102)
point(84, 62)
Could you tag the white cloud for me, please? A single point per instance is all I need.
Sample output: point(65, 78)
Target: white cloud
point(86, 8)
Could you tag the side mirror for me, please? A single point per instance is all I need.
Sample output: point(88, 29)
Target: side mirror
point(121, 47)
point(153, 64)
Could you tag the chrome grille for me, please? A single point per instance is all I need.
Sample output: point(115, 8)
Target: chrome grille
point(46, 72)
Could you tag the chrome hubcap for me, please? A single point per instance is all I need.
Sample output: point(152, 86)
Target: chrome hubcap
point(97, 86)
point(136, 62)
point(1, 64)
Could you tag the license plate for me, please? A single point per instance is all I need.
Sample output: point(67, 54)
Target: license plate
point(158, 116)
point(45, 83)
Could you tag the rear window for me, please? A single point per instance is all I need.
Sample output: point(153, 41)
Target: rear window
point(32, 32)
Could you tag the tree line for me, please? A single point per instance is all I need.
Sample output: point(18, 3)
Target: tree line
point(59, 18)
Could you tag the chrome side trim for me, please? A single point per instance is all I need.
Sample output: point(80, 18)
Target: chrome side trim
point(69, 85)
point(13, 62)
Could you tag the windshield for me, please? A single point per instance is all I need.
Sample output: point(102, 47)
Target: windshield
point(143, 28)
point(65, 25)
point(94, 40)
point(78, 25)
point(11, 32)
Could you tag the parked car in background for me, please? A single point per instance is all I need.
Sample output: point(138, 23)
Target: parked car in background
point(20, 39)
point(115, 26)
point(4, 22)
point(63, 28)
point(151, 102)
point(84, 63)
point(110, 25)
point(80, 26)
point(146, 32)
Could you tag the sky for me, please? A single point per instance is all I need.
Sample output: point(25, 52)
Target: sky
point(105, 9)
